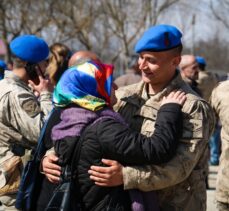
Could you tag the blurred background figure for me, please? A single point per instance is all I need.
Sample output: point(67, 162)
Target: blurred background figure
point(220, 104)
point(58, 61)
point(206, 83)
point(206, 80)
point(190, 72)
point(81, 56)
point(132, 76)
point(3, 67)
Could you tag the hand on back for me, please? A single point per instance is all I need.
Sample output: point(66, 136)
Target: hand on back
point(50, 168)
point(178, 97)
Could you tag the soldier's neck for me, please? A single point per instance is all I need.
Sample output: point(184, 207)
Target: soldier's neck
point(154, 89)
point(21, 73)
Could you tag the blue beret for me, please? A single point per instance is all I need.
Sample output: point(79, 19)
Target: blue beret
point(3, 65)
point(30, 48)
point(159, 38)
point(200, 60)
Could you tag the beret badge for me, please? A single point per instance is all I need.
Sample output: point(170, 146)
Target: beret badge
point(166, 39)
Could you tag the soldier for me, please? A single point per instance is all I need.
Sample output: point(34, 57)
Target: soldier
point(220, 103)
point(206, 83)
point(21, 114)
point(180, 183)
point(190, 72)
point(206, 80)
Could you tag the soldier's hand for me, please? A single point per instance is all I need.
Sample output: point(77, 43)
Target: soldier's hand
point(178, 97)
point(44, 85)
point(107, 176)
point(51, 170)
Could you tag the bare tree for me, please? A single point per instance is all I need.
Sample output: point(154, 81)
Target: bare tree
point(75, 20)
point(109, 28)
point(210, 49)
point(220, 11)
point(127, 19)
point(28, 17)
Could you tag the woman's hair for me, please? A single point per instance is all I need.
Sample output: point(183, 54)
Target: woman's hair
point(58, 61)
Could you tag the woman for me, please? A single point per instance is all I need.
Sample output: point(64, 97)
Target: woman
point(58, 61)
point(84, 94)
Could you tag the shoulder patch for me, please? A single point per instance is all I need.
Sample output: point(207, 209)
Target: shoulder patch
point(193, 128)
point(31, 107)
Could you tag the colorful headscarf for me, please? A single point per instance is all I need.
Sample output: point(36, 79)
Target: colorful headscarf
point(87, 85)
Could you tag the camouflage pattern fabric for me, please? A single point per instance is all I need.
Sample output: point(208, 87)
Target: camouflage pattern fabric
point(21, 119)
point(206, 83)
point(220, 103)
point(180, 183)
point(222, 206)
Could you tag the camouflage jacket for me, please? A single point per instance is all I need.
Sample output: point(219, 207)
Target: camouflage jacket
point(180, 183)
point(21, 119)
point(206, 83)
point(220, 103)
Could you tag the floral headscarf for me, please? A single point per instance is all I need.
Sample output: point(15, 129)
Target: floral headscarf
point(87, 85)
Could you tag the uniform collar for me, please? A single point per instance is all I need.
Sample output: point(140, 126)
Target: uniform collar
point(138, 95)
point(174, 84)
point(11, 75)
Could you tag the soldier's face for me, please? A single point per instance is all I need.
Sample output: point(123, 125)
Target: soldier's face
point(192, 71)
point(157, 67)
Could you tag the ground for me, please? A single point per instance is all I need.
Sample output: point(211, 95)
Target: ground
point(211, 204)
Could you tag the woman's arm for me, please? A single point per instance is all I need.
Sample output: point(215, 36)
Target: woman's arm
point(129, 147)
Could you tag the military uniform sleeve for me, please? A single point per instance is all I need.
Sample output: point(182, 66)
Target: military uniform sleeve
point(215, 99)
point(27, 114)
point(198, 123)
point(220, 104)
point(46, 102)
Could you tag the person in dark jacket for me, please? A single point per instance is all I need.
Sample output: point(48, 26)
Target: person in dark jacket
point(45, 186)
point(87, 114)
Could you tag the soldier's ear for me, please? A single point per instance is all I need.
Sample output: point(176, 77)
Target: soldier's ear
point(176, 61)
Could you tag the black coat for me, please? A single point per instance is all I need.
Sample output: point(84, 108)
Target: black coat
point(110, 139)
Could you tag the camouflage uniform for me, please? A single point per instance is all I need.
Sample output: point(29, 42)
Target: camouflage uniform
point(180, 182)
point(21, 118)
point(206, 83)
point(220, 103)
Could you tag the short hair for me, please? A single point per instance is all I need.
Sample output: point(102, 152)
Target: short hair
point(80, 61)
point(177, 50)
point(18, 63)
